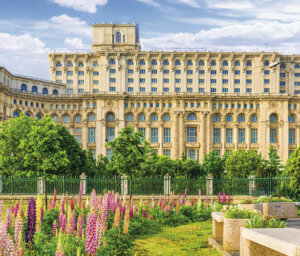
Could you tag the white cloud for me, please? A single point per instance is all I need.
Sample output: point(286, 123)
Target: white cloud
point(230, 4)
point(24, 54)
point(149, 2)
point(81, 5)
point(75, 43)
point(192, 3)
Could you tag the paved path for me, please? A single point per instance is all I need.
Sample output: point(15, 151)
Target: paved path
point(293, 223)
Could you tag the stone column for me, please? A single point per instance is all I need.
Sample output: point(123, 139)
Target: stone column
point(40, 185)
point(182, 134)
point(84, 135)
point(251, 185)
point(124, 185)
point(247, 135)
point(209, 132)
point(160, 138)
point(223, 141)
point(202, 136)
point(235, 136)
point(83, 183)
point(167, 184)
point(209, 184)
point(174, 137)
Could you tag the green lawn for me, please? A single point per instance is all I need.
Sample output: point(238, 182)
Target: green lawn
point(184, 240)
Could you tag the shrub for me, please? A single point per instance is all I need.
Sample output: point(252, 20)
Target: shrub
point(259, 221)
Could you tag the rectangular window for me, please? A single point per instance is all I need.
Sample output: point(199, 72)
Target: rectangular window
point(69, 81)
point(225, 90)
point(177, 71)
point(78, 138)
point(225, 72)
point(130, 80)
point(142, 71)
point(177, 89)
point(225, 81)
point(58, 73)
point(108, 153)
point(95, 73)
point(297, 83)
point(153, 80)
point(201, 89)
point(143, 131)
point(165, 71)
point(177, 81)
point(291, 136)
point(153, 89)
point(253, 136)
point(77, 129)
point(69, 90)
point(165, 80)
point(213, 89)
point(80, 90)
point(237, 72)
point(213, 72)
point(189, 89)
point(241, 135)
point(201, 72)
point(80, 73)
point(142, 80)
point(273, 138)
point(130, 89)
point(296, 74)
point(80, 81)
point(189, 72)
point(112, 89)
point(249, 90)
point(248, 81)
point(165, 89)
point(154, 71)
point(237, 90)
point(267, 90)
point(95, 82)
point(283, 74)
point(167, 135)
point(267, 72)
point(213, 81)
point(237, 81)
point(154, 135)
point(191, 135)
point(217, 135)
point(92, 138)
point(201, 81)
point(112, 71)
point(192, 154)
point(142, 89)
point(167, 152)
point(266, 81)
point(229, 135)
point(112, 80)
point(282, 83)
point(297, 92)
point(110, 134)
point(189, 81)
point(69, 73)
point(130, 71)
point(249, 72)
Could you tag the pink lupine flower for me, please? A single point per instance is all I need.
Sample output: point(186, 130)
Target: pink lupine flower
point(192, 201)
point(80, 223)
point(99, 230)
point(93, 202)
point(42, 214)
point(72, 203)
point(131, 212)
point(18, 228)
point(73, 223)
point(181, 200)
point(178, 195)
point(54, 198)
point(168, 208)
point(104, 214)
point(8, 218)
point(224, 198)
point(1, 209)
point(90, 233)
point(54, 228)
point(211, 201)
point(160, 201)
point(219, 197)
point(185, 193)
point(136, 209)
point(144, 213)
point(207, 200)
point(16, 209)
point(62, 205)
point(228, 199)
point(64, 224)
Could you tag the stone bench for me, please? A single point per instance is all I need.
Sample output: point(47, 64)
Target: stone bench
point(270, 241)
point(218, 225)
point(280, 210)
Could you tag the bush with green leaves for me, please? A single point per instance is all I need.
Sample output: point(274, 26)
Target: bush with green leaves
point(236, 213)
point(271, 199)
point(259, 221)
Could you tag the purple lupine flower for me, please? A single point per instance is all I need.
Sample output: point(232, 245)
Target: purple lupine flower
point(54, 228)
point(42, 214)
point(160, 201)
point(185, 193)
point(62, 205)
point(219, 197)
point(64, 224)
point(54, 198)
point(136, 209)
point(131, 212)
point(229, 199)
point(90, 233)
point(144, 213)
point(73, 223)
point(192, 201)
point(224, 198)
point(16, 209)
point(206, 199)
point(182, 200)
point(31, 221)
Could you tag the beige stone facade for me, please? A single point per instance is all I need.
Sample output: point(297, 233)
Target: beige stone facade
point(184, 102)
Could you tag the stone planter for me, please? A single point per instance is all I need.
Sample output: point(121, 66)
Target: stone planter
point(252, 207)
point(232, 234)
point(281, 210)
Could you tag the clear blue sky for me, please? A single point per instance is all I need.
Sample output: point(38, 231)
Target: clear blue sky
point(31, 28)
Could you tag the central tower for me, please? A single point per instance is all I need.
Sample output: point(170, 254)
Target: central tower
point(115, 36)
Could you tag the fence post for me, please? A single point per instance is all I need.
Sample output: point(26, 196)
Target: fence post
point(1, 185)
point(40, 185)
point(12, 185)
point(209, 184)
point(124, 185)
point(167, 184)
point(83, 183)
point(251, 185)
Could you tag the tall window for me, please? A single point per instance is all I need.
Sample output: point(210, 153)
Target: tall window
point(273, 118)
point(110, 134)
point(110, 117)
point(45, 91)
point(291, 136)
point(142, 118)
point(217, 135)
point(167, 152)
point(217, 118)
point(192, 154)
point(23, 87)
point(66, 119)
point(154, 135)
point(253, 136)
point(191, 134)
point(92, 138)
point(129, 118)
point(118, 37)
point(241, 118)
point(92, 118)
point(78, 138)
point(167, 118)
point(78, 119)
point(241, 135)
point(143, 131)
point(34, 89)
point(273, 138)
point(191, 117)
point(253, 119)
point(108, 153)
point(291, 119)
point(229, 118)
point(167, 135)
point(229, 135)
point(154, 118)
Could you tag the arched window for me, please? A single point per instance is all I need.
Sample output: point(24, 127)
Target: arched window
point(142, 118)
point(229, 118)
point(92, 118)
point(177, 63)
point(27, 114)
point(154, 118)
point(38, 117)
point(189, 63)
point(201, 63)
point(23, 87)
point(55, 92)
point(55, 118)
point(154, 63)
point(112, 62)
point(142, 62)
point(165, 62)
point(213, 63)
point(78, 119)
point(217, 118)
point(291, 119)
point(34, 89)
point(237, 63)
point(129, 118)
point(16, 114)
point(66, 119)
point(69, 64)
point(267, 63)
point(80, 64)
point(273, 118)
point(253, 119)
point(191, 117)
point(130, 62)
point(167, 118)
point(225, 63)
point(241, 118)
point(58, 64)
point(249, 63)
point(95, 64)
point(45, 91)
point(110, 117)
point(118, 37)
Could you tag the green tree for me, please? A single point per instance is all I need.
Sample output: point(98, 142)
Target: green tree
point(129, 152)
point(242, 164)
point(275, 166)
point(214, 164)
point(294, 169)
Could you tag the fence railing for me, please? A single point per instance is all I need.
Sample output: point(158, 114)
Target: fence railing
point(143, 186)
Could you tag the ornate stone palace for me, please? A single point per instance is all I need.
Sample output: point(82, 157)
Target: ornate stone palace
point(184, 102)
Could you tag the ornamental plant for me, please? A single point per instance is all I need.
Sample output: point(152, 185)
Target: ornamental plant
point(259, 221)
point(236, 213)
point(271, 199)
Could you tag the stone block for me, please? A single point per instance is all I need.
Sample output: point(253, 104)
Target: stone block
point(218, 225)
point(281, 210)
